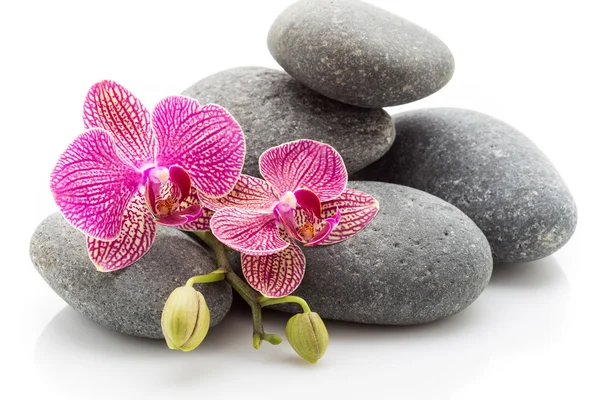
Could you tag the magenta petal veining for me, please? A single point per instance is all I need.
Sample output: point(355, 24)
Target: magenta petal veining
point(249, 193)
point(275, 275)
point(92, 184)
point(252, 232)
point(357, 210)
point(113, 108)
point(304, 199)
point(305, 164)
point(205, 140)
point(134, 240)
point(132, 170)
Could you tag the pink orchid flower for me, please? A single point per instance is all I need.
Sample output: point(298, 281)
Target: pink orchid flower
point(303, 198)
point(130, 170)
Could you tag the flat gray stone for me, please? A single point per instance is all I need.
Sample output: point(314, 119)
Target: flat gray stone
point(272, 108)
point(359, 54)
point(489, 170)
point(419, 260)
point(129, 300)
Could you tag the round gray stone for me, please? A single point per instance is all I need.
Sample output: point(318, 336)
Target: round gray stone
point(359, 54)
point(489, 170)
point(129, 300)
point(419, 260)
point(272, 108)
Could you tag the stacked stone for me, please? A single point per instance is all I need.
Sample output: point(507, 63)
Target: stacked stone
point(459, 190)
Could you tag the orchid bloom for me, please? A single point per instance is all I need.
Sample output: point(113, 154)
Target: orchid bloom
point(303, 198)
point(131, 170)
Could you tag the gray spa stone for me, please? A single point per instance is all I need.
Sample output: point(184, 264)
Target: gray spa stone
point(130, 300)
point(272, 108)
point(359, 54)
point(489, 170)
point(419, 260)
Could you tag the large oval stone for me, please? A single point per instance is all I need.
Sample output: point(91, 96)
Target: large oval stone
point(419, 260)
point(129, 300)
point(272, 108)
point(489, 170)
point(359, 54)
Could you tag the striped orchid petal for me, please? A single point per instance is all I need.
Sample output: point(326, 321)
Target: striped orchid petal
point(249, 193)
point(251, 232)
point(92, 185)
point(357, 209)
point(113, 108)
point(305, 164)
point(135, 238)
point(205, 140)
point(202, 223)
point(275, 275)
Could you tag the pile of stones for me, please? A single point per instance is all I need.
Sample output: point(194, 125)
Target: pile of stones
point(460, 191)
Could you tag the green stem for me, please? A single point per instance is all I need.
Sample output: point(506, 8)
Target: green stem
point(246, 292)
point(267, 301)
point(215, 276)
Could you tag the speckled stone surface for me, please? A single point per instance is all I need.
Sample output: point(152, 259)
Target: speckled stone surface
point(130, 300)
point(359, 54)
point(272, 108)
point(489, 170)
point(419, 260)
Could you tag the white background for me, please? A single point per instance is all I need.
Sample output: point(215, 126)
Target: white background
point(532, 334)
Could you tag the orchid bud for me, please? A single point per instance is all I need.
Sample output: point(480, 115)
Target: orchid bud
point(308, 336)
point(185, 319)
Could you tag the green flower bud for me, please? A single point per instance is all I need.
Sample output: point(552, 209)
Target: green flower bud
point(185, 319)
point(308, 336)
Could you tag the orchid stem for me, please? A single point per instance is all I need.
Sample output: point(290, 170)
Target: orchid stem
point(246, 292)
point(267, 301)
point(215, 276)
